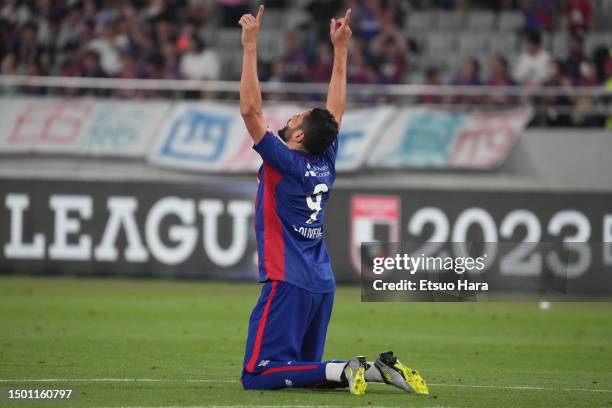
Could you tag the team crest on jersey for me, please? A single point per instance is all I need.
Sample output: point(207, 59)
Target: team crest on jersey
point(374, 219)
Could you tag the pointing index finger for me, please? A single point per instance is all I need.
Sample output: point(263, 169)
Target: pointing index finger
point(347, 17)
point(260, 13)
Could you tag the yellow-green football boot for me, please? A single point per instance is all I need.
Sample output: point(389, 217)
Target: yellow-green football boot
point(399, 375)
point(355, 375)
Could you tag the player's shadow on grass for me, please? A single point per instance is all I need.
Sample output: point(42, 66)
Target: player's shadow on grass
point(371, 391)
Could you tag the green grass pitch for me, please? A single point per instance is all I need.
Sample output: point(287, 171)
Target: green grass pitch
point(142, 343)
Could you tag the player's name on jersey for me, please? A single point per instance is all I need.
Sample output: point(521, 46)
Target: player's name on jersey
point(429, 286)
point(309, 233)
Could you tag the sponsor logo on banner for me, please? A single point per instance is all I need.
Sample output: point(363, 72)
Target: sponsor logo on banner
point(47, 125)
point(121, 128)
point(374, 218)
point(211, 137)
point(78, 126)
point(427, 138)
point(359, 130)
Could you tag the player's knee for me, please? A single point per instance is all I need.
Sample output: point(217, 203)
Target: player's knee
point(249, 382)
point(255, 382)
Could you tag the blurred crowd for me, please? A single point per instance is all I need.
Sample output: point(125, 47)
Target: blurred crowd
point(162, 39)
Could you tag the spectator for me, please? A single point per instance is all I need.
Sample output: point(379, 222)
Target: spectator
point(321, 11)
point(233, 10)
point(15, 12)
point(575, 58)
point(557, 112)
point(366, 19)
point(199, 62)
point(296, 62)
point(88, 33)
point(500, 76)
point(108, 47)
point(608, 85)
point(170, 67)
point(601, 56)
point(359, 71)
point(91, 66)
point(538, 14)
point(469, 75)
point(583, 114)
point(128, 71)
point(321, 71)
point(70, 29)
point(279, 72)
point(394, 12)
point(433, 78)
point(390, 51)
point(27, 47)
point(533, 63)
point(578, 15)
point(9, 65)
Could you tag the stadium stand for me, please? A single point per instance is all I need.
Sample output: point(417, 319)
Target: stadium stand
point(153, 39)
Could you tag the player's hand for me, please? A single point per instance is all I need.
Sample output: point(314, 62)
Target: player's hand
point(340, 32)
point(250, 27)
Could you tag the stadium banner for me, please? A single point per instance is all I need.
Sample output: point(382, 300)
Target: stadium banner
point(428, 138)
point(527, 235)
point(212, 137)
point(194, 230)
point(361, 128)
point(79, 126)
point(160, 229)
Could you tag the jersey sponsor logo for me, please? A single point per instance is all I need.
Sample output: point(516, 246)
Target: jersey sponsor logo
point(314, 170)
point(263, 363)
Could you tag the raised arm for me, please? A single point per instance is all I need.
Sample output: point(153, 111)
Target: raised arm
point(250, 94)
point(340, 33)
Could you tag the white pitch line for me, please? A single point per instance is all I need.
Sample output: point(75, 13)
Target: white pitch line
point(521, 387)
point(252, 406)
point(87, 380)
point(225, 381)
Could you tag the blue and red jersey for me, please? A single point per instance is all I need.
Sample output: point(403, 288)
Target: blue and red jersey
point(292, 194)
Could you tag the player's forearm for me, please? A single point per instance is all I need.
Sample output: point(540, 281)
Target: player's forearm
point(336, 95)
point(250, 94)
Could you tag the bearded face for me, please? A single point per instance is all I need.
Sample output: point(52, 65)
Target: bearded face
point(285, 133)
point(293, 124)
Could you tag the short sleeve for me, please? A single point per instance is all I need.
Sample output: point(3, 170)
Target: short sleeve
point(276, 153)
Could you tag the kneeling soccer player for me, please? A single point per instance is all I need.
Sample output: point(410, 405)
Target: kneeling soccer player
point(288, 325)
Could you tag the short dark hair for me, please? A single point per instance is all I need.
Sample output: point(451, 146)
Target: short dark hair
point(320, 130)
point(534, 37)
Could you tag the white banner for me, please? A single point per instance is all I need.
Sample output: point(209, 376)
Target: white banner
point(426, 138)
point(79, 126)
point(359, 132)
point(212, 137)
